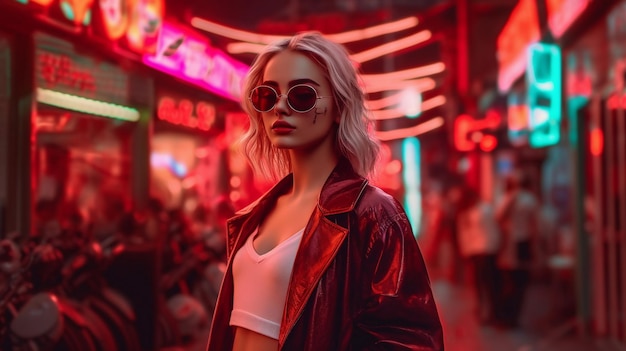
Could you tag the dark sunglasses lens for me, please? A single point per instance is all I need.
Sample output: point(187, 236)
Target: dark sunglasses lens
point(263, 98)
point(302, 97)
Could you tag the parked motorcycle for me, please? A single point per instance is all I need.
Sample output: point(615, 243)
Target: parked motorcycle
point(37, 320)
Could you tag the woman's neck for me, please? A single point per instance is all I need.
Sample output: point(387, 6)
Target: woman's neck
point(310, 173)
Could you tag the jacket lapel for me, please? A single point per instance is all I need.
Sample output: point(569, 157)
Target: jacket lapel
point(320, 242)
point(241, 226)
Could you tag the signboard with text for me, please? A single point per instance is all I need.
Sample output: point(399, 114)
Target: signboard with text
point(132, 24)
point(60, 68)
point(190, 57)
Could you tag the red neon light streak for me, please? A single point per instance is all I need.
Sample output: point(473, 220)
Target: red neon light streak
point(379, 113)
point(391, 47)
point(421, 84)
point(416, 72)
point(344, 37)
point(419, 129)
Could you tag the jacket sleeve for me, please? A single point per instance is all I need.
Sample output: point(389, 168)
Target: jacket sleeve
point(398, 311)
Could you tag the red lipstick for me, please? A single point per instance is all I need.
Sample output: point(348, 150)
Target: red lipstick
point(281, 124)
point(282, 127)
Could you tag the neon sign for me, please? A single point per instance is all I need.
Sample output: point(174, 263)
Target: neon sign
point(77, 11)
point(544, 93)
point(411, 159)
point(182, 113)
point(562, 13)
point(522, 30)
point(137, 21)
point(61, 70)
point(467, 128)
point(145, 21)
point(114, 15)
point(184, 54)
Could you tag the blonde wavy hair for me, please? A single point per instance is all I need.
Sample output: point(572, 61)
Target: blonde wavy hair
point(354, 139)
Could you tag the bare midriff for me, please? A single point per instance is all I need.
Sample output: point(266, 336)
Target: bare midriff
point(248, 340)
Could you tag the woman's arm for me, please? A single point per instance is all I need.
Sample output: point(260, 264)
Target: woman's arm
point(398, 311)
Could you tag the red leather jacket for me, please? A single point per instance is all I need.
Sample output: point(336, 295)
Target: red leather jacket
point(359, 281)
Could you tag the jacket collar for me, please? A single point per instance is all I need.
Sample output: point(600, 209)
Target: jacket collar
point(339, 194)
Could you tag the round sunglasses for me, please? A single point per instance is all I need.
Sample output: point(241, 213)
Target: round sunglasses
point(300, 98)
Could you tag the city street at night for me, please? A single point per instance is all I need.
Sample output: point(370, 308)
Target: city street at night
point(312, 175)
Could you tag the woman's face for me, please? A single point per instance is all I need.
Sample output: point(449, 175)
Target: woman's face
point(287, 128)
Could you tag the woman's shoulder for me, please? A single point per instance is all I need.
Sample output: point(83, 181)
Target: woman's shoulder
point(373, 197)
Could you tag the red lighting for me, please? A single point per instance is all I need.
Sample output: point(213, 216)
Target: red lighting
point(596, 141)
point(521, 30)
point(182, 113)
point(463, 125)
point(488, 143)
point(114, 18)
point(43, 2)
point(80, 9)
point(616, 102)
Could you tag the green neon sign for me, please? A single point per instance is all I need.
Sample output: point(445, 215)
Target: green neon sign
point(543, 81)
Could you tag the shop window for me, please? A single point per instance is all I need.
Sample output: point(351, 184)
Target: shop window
point(81, 172)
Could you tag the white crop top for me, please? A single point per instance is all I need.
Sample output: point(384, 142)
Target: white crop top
point(260, 285)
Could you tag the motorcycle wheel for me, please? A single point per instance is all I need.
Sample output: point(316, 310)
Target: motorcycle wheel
point(124, 331)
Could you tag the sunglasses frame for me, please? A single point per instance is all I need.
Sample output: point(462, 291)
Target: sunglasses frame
point(278, 96)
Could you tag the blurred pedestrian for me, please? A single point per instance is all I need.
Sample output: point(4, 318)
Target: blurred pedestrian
point(479, 242)
point(324, 260)
point(454, 196)
point(518, 218)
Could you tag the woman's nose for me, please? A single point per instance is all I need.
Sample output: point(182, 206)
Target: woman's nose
point(282, 106)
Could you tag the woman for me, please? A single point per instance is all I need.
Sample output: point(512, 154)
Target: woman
point(323, 260)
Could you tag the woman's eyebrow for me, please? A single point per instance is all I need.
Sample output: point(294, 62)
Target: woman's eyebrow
point(292, 83)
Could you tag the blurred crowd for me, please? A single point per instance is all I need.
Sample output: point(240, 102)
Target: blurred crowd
point(507, 250)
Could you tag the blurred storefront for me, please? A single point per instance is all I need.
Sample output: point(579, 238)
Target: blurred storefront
point(85, 105)
point(595, 99)
point(188, 149)
point(199, 88)
point(561, 74)
point(79, 111)
point(88, 130)
point(104, 106)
